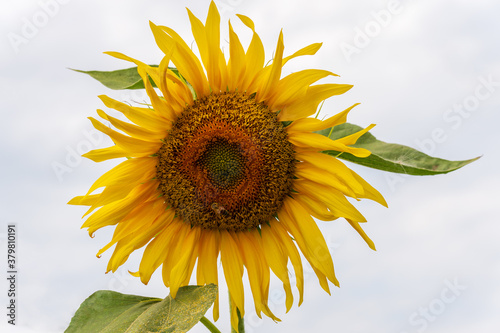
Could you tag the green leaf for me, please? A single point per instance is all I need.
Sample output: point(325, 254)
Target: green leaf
point(111, 312)
point(121, 79)
point(389, 156)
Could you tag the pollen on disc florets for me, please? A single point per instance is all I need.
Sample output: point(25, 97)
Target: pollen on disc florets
point(226, 163)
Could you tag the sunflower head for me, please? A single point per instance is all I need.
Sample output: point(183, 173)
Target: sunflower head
point(225, 164)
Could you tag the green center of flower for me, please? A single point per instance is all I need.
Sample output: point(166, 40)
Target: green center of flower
point(224, 163)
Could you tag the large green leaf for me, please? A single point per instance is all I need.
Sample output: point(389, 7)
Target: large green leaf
point(120, 79)
point(389, 156)
point(111, 312)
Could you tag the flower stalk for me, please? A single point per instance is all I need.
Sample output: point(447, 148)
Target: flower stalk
point(208, 324)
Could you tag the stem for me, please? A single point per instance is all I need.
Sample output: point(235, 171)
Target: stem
point(241, 322)
point(208, 324)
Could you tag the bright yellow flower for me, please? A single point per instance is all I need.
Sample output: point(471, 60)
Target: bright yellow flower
point(226, 162)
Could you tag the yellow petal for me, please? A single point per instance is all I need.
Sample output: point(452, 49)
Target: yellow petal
point(184, 59)
point(137, 240)
point(313, 124)
point(277, 260)
point(315, 208)
point(320, 142)
point(175, 254)
point(306, 170)
point(183, 269)
point(175, 91)
point(294, 86)
point(157, 250)
point(308, 50)
point(362, 233)
point(255, 55)
point(308, 104)
point(146, 118)
point(254, 270)
point(207, 263)
point(113, 213)
point(198, 30)
point(237, 64)
point(212, 32)
point(232, 265)
point(133, 130)
point(335, 201)
point(134, 147)
point(334, 166)
point(142, 216)
point(140, 64)
point(308, 237)
point(159, 105)
point(369, 192)
point(351, 139)
point(281, 234)
point(271, 79)
point(104, 154)
point(84, 200)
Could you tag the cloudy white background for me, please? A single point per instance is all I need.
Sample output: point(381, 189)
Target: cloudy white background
point(411, 71)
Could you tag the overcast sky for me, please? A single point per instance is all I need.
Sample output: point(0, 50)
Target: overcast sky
point(426, 72)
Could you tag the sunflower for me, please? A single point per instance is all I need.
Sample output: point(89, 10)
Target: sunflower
point(225, 161)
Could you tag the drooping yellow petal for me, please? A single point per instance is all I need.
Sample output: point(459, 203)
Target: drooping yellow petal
point(183, 269)
point(207, 263)
point(232, 265)
point(141, 216)
point(305, 170)
point(315, 208)
point(369, 192)
point(137, 240)
point(255, 240)
point(158, 250)
point(334, 166)
point(175, 254)
point(281, 234)
point(362, 233)
point(254, 269)
point(308, 237)
point(277, 260)
point(335, 201)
